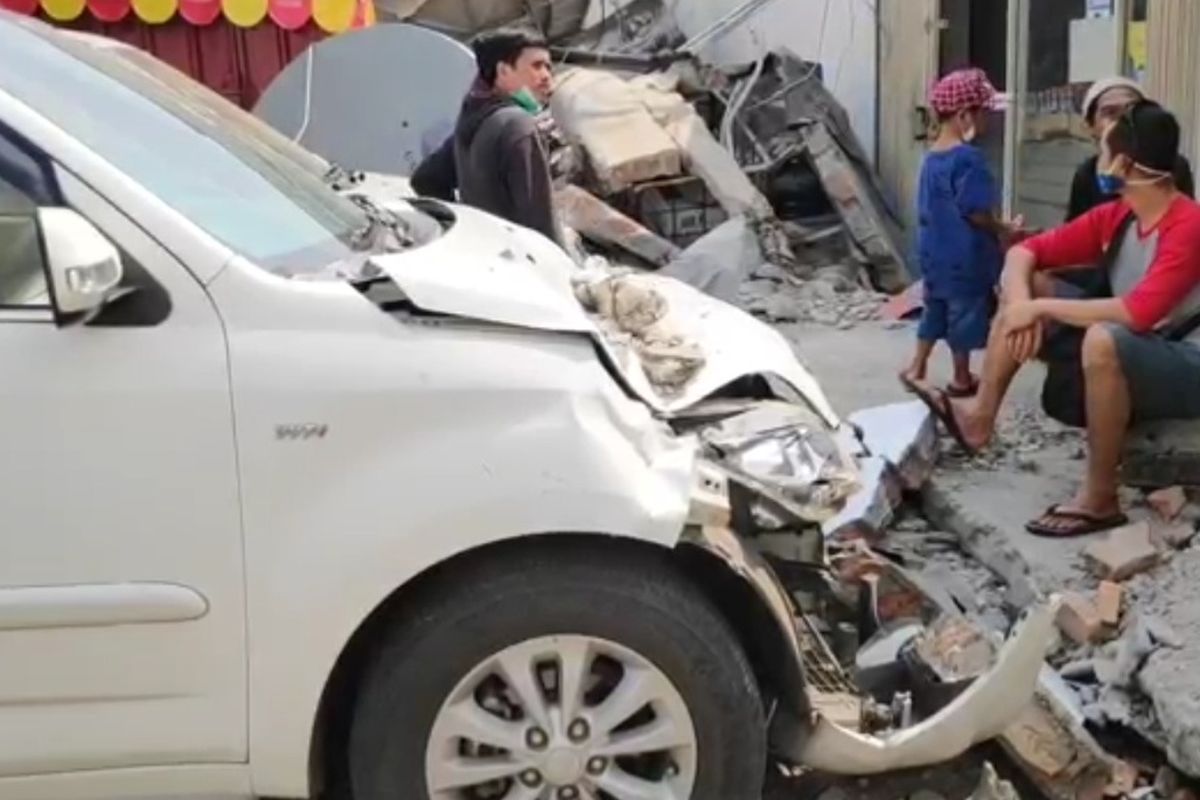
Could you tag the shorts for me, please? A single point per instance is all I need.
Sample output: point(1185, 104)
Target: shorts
point(1163, 375)
point(962, 322)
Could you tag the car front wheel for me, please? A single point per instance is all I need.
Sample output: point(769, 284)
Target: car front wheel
point(565, 675)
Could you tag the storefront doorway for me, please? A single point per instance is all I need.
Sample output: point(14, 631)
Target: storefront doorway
point(1045, 55)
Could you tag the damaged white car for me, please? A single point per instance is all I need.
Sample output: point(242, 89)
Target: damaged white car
point(306, 496)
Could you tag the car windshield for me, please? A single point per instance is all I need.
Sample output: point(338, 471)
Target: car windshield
point(226, 171)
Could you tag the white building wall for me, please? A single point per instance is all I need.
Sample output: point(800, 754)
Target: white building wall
point(844, 45)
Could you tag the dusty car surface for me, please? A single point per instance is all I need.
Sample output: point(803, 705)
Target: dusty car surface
point(310, 496)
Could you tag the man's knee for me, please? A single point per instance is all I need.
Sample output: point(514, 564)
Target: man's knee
point(1100, 348)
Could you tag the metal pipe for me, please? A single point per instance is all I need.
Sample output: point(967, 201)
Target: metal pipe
point(1016, 70)
point(718, 28)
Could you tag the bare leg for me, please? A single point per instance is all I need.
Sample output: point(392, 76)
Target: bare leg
point(963, 379)
point(1108, 416)
point(976, 416)
point(919, 367)
point(1109, 410)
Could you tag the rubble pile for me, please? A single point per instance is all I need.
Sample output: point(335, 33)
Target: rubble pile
point(828, 299)
point(746, 183)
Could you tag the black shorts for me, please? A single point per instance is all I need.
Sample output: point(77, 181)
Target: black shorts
point(1163, 375)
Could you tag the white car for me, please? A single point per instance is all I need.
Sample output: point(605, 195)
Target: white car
point(306, 496)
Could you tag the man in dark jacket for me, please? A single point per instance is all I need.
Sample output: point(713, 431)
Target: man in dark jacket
point(496, 158)
point(1103, 105)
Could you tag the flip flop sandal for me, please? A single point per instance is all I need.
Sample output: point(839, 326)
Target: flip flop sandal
point(963, 392)
point(938, 404)
point(1084, 524)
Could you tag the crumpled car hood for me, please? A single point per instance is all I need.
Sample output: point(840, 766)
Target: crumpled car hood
point(490, 270)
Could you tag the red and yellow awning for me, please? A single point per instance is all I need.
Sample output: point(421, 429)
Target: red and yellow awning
point(332, 16)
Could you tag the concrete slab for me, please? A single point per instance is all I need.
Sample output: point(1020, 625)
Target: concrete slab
point(905, 436)
point(988, 510)
point(1164, 454)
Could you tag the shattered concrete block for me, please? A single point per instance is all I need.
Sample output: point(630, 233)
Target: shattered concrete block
point(1124, 553)
point(624, 143)
point(867, 513)
point(1108, 603)
point(1173, 535)
point(1168, 502)
point(601, 223)
point(1078, 619)
point(903, 434)
point(703, 155)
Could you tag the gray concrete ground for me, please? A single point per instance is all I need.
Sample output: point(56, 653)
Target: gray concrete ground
point(987, 501)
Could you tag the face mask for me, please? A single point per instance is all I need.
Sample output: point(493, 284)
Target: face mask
point(1109, 184)
point(525, 99)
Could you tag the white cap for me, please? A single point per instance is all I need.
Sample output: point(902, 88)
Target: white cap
point(1101, 86)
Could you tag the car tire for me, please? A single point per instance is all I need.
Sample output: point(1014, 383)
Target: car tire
point(645, 632)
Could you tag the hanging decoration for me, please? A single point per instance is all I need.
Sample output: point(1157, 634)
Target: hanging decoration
point(331, 16)
point(154, 12)
point(290, 14)
point(20, 6)
point(109, 10)
point(200, 12)
point(63, 10)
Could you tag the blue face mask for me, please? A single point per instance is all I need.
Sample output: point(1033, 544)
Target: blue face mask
point(1109, 185)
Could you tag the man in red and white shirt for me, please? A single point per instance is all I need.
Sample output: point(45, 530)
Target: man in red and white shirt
point(1128, 352)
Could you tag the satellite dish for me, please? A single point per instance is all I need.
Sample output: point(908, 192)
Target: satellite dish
point(376, 99)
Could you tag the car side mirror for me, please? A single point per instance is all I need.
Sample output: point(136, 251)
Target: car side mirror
point(84, 267)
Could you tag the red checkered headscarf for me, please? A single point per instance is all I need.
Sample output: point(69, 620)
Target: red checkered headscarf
point(963, 90)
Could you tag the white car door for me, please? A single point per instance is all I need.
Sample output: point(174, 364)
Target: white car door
point(122, 620)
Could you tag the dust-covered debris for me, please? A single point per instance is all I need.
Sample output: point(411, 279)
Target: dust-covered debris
point(633, 313)
point(1168, 675)
point(826, 300)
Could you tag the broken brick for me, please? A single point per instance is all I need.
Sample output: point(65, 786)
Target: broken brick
point(1168, 502)
point(1108, 603)
point(1126, 552)
point(1079, 619)
point(1038, 740)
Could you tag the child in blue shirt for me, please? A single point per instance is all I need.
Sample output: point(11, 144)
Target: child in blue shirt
point(959, 236)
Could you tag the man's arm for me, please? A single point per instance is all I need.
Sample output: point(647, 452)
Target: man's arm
point(1016, 282)
point(437, 175)
point(527, 175)
point(1083, 313)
